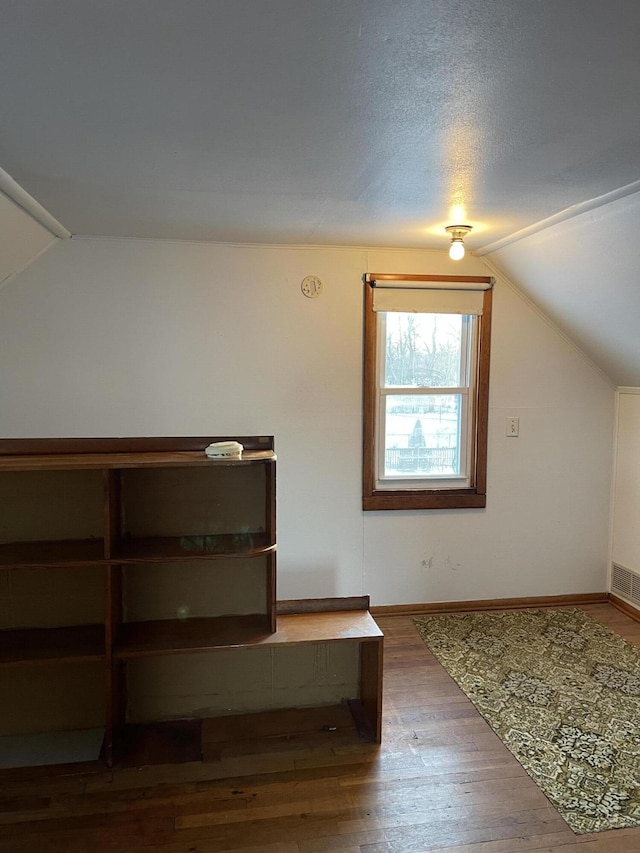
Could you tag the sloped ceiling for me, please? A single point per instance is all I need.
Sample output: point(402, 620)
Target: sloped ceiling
point(367, 122)
point(585, 275)
point(22, 239)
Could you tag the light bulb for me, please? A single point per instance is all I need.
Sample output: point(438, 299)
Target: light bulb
point(456, 251)
point(457, 234)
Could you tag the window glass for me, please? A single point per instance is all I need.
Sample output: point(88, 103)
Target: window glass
point(423, 350)
point(422, 435)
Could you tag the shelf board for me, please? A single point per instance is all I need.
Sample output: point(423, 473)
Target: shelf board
point(336, 626)
point(278, 723)
point(176, 458)
point(180, 636)
point(172, 636)
point(64, 552)
point(196, 547)
point(173, 741)
point(46, 645)
point(90, 552)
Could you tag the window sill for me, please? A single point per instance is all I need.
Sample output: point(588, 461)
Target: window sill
point(439, 499)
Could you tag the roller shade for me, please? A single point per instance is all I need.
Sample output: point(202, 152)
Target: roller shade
point(428, 294)
point(431, 300)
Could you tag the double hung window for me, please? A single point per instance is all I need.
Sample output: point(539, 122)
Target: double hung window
point(426, 391)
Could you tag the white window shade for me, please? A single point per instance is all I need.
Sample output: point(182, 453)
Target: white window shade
point(428, 300)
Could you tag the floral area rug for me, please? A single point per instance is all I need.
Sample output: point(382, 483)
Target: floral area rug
point(562, 692)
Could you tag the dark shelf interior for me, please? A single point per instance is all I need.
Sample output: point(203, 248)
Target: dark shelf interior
point(171, 742)
point(38, 645)
point(63, 552)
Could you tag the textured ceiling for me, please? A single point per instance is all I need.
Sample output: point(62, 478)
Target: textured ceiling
point(318, 121)
point(349, 122)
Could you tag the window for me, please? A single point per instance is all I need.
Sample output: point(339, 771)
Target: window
point(426, 386)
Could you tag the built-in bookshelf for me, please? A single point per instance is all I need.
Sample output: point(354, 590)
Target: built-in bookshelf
point(121, 557)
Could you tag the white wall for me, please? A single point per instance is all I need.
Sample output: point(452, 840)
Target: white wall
point(625, 540)
point(116, 337)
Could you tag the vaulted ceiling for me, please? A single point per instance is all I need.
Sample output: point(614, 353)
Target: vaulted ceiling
point(350, 122)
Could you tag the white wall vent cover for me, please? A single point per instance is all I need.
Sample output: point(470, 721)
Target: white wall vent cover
point(626, 583)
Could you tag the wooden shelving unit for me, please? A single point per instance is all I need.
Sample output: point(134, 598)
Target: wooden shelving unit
point(175, 553)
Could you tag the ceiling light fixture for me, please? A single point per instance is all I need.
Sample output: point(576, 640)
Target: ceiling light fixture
point(458, 233)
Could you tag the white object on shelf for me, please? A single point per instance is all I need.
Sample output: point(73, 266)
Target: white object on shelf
point(224, 450)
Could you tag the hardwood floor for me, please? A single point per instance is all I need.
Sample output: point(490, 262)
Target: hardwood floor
point(440, 781)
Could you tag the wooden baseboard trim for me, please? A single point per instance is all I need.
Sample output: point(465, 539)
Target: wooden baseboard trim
point(491, 604)
point(624, 607)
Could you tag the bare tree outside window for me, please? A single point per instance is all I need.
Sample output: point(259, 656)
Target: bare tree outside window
point(423, 350)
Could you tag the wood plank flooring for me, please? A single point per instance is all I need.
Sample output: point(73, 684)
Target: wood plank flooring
point(440, 781)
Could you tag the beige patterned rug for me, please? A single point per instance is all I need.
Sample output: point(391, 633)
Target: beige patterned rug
point(563, 693)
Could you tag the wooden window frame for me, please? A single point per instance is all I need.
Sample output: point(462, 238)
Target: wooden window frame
point(474, 496)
